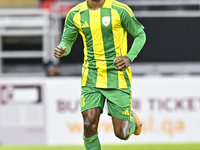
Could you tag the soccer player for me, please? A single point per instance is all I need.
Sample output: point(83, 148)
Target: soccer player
point(106, 73)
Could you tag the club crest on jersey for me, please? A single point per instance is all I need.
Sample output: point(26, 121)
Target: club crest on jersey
point(106, 20)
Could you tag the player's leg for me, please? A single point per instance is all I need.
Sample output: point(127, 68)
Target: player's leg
point(90, 121)
point(138, 123)
point(123, 129)
point(125, 121)
point(90, 135)
point(92, 102)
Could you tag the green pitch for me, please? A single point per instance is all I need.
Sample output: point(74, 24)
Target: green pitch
point(111, 147)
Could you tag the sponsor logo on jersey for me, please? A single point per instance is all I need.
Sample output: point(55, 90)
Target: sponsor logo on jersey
point(85, 25)
point(126, 112)
point(106, 20)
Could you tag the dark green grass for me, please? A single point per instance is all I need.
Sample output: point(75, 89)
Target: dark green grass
point(192, 146)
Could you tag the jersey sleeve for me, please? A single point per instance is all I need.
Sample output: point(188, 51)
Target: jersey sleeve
point(70, 33)
point(130, 23)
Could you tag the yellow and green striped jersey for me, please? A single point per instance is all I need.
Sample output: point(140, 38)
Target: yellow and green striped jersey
point(104, 33)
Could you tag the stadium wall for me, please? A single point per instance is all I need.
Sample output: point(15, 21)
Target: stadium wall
point(47, 111)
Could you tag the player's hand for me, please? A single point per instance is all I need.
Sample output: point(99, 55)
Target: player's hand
point(59, 51)
point(121, 63)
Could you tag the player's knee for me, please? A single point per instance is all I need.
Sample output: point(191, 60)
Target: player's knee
point(122, 134)
point(90, 127)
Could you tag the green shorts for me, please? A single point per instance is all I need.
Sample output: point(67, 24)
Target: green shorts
point(118, 101)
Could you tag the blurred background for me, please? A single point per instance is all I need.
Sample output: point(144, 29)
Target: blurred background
point(39, 94)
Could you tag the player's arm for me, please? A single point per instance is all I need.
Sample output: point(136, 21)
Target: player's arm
point(130, 24)
point(136, 30)
point(123, 62)
point(69, 36)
